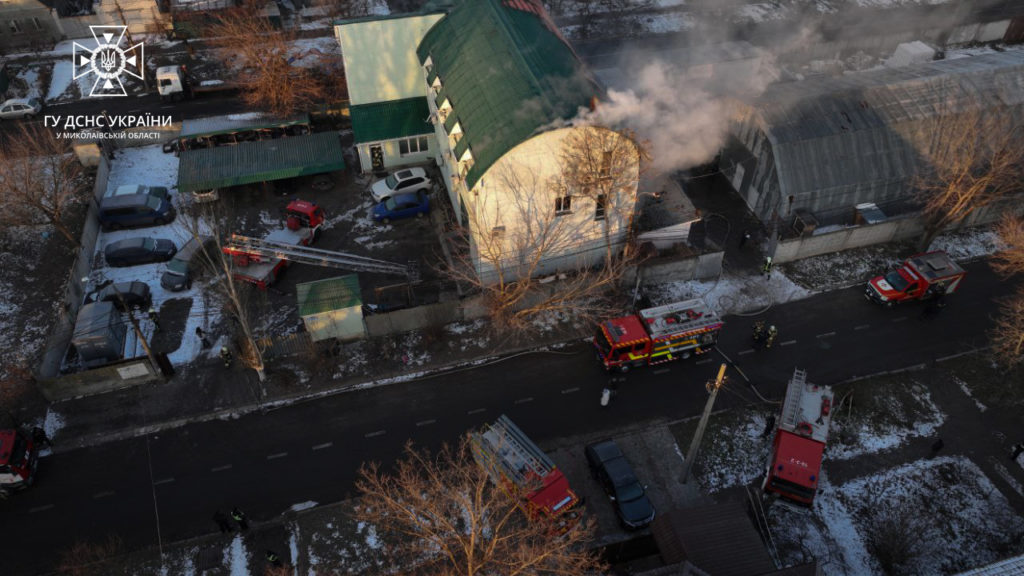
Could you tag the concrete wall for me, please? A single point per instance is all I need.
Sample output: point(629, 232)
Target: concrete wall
point(416, 318)
point(661, 270)
point(98, 380)
point(894, 230)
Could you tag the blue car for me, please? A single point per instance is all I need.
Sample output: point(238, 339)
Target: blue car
point(402, 206)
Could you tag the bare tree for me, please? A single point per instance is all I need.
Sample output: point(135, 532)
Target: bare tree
point(441, 514)
point(88, 558)
point(898, 536)
point(264, 61)
point(528, 227)
point(1007, 337)
point(203, 223)
point(977, 159)
point(41, 180)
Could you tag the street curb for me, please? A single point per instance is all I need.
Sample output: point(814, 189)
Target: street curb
point(299, 397)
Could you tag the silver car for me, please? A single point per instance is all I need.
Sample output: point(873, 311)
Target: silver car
point(407, 181)
point(20, 108)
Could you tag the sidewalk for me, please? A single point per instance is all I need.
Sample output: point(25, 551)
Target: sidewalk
point(205, 390)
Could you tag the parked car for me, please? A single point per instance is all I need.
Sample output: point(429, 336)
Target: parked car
point(20, 108)
point(135, 295)
point(611, 469)
point(133, 189)
point(135, 210)
point(134, 251)
point(402, 206)
point(186, 263)
point(410, 180)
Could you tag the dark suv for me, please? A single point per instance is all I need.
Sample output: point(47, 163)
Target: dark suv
point(186, 263)
point(610, 467)
point(139, 251)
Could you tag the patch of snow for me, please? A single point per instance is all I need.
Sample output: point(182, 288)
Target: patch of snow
point(730, 293)
point(293, 542)
point(54, 423)
point(302, 506)
point(872, 437)
point(60, 79)
point(963, 386)
point(236, 558)
point(969, 244)
point(379, 8)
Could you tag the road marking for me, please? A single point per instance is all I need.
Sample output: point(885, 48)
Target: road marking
point(377, 433)
point(164, 481)
point(862, 327)
point(524, 400)
point(278, 455)
point(571, 390)
point(426, 422)
point(40, 508)
point(705, 361)
point(900, 319)
point(662, 370)
point(745, 352)
point(826, 335)
point(324, 445)
point(99, 495)
point(787, 343)
point(221, 468)
point(477, 411)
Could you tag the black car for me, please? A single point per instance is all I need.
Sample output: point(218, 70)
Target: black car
point(612, 470)
point(134, 294)
point(139, 251)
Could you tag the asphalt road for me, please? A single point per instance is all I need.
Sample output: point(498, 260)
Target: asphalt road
point(168, 485)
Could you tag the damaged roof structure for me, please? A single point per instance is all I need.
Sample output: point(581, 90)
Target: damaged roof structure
point(827, 144)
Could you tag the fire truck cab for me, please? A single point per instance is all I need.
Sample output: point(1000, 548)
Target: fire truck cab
point(799, 446)
point(656, 335)
point(19, 459)
point(517, 465)
point(921, 277)
point(303, 223)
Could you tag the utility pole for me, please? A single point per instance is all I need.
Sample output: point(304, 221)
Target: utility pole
point(691, 455)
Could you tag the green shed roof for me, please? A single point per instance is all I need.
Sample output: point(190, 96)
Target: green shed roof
point(508, 73)
point(389, 120)
point(327, 295)
point(261, 161)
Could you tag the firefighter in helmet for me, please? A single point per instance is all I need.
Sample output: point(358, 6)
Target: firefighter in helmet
point(759, 331)
point(225, 355)
point(770, 336)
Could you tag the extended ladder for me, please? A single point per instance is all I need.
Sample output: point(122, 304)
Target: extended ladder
point(791, 405)
point(318, 257)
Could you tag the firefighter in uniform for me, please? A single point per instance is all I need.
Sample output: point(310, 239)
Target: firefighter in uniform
point(769, 338)
point(225, 355)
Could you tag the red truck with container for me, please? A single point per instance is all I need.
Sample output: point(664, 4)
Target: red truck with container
point(921, 277)
point(794, 467)
point(656, 335)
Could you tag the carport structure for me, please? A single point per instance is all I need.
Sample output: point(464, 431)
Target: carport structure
point(259, 161)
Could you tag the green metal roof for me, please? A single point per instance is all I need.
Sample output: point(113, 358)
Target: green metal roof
point(390, 120)
point(237, 123)
point(261, 161)
point(508, 73)
point(327, 295)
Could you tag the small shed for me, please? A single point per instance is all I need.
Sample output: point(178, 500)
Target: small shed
point(99, 334)
point(332, 308)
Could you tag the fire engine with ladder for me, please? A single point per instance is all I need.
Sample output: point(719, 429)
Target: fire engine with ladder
point(517, 465)
point(19, 460)
point(795, 463)
point(261, 261)
point(656, 335)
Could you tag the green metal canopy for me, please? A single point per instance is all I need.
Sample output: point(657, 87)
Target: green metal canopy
point(327, 295)
point(261, 161)
point(389, 120)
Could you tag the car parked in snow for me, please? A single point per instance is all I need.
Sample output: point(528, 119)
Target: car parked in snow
point(133, 189)
point(20, 108)
point(135, 294)
point(410, 181)
point(133, 251)
point(402, 206)
point(187, 263)
point(118, 212)
point(611, 469)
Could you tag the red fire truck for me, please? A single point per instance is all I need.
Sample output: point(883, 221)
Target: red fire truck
point(19, 458)
point(921, 277)
point(516, 464)
point(795, 464)
point(262, 267)
point(657, 335)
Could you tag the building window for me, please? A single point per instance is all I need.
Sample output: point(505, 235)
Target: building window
point(606, 163)
point(601, 206)
point(563, 205)
point(36, 24)
point(15, 27)
point(413, 145)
